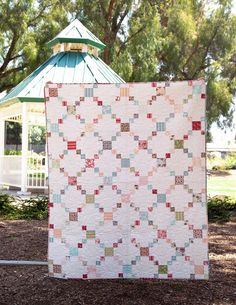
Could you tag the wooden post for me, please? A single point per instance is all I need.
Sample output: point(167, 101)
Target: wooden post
point(2, 149)
point(25, 137)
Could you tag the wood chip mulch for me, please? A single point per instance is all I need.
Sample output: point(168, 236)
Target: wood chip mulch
point(27, 240)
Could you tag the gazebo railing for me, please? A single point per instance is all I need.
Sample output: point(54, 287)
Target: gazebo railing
point(11, 173)
point(37, 172)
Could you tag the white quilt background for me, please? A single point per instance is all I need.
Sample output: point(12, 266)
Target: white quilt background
point(127, 180)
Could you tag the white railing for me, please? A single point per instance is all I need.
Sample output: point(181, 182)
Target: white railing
point(37, 171)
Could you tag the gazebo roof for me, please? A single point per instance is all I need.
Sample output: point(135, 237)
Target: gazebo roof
point(76, 32)
point(79, 66)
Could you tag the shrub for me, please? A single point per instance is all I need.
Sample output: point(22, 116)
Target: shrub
point(220, 208)
point(7, 205)
point(228, 163)
point(17, 208)
point(34, 208)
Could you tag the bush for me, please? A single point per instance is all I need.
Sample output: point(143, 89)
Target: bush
point(34, 208)
point(7, 205)
point(228, 163)
point(17, 208)
point(220, 208)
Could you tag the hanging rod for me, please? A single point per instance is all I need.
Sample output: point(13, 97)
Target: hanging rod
point(19, 263)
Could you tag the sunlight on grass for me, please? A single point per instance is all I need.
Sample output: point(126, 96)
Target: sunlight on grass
point(222, 185)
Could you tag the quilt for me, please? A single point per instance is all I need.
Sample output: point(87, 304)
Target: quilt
point(127, 180)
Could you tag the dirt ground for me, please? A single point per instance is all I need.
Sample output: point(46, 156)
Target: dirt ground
point(31, 285)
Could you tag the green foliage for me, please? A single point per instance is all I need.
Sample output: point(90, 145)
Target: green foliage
point(17, 208)
point(221, 208)
point(25, 27)
point(7, 205)
point(227, 163)
point(144, 47)
point(37, 135)
point(12, 152)
point(34, 208)
point(13, 133)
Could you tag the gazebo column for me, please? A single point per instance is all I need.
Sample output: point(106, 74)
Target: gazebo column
point(2, 149)
point(24, 152)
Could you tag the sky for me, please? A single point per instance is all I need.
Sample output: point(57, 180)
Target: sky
point(234, 7)
point(223, 138)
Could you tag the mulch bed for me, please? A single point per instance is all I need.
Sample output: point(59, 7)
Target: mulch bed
point(30, 284)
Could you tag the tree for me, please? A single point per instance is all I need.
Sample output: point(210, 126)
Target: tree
point(106, 19)
point(170, 40)
point(37, 135)
point(199, 42)
point(25, 27)
point(140, 46)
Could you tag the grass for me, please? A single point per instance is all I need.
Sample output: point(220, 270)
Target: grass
point(223, 179)
point(222, 185)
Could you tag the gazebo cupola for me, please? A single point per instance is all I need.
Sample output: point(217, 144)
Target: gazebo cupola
point(76, 38)
point(75, 60)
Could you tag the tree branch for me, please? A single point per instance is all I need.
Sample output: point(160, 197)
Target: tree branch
point(15, 57)
point(7, 59)
point(205, 53)
point(7, 87)
point(122, 18)
point(13, 70)
point(103, 9)
point(110, 9)
point(31, 22)
point(129, 38)
point(191, 55)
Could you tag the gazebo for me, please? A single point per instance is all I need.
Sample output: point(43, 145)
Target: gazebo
point(74, 60)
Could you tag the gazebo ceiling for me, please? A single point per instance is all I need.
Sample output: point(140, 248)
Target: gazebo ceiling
point(68, 65)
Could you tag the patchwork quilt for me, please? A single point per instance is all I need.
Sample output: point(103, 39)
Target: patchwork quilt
point(127, 180)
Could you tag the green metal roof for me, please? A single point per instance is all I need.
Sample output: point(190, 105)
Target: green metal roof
point(76, 32)
point(64, 67)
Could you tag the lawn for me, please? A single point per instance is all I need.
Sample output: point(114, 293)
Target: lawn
point(222, 184)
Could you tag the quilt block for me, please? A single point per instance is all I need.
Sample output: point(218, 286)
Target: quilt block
point(127, 180)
